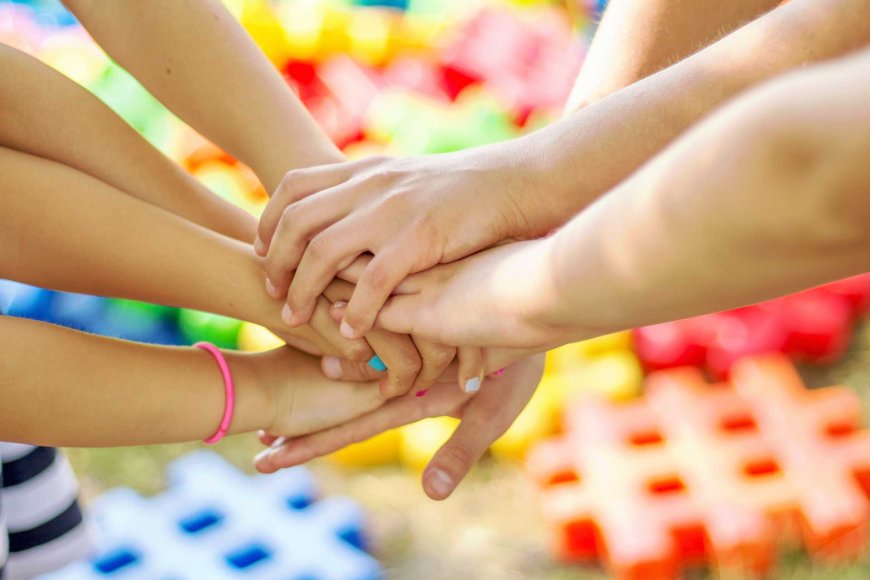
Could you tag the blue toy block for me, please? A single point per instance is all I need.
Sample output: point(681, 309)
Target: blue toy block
point(25, 301)
point(217, 523)
point(78, 311)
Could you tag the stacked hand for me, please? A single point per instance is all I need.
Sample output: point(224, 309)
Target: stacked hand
point(317, 236)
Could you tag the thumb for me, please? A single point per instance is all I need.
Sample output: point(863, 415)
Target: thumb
point(456, 458)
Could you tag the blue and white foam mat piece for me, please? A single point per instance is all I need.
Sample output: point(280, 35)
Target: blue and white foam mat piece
point(214, 522)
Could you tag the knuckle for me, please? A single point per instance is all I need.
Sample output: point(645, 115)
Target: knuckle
point(410, 366)
point(378, 277)
point(356, 351)
point(383, 175)
point(318, 247)
point(458, 455)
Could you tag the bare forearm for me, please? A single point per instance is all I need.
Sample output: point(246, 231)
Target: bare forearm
point(590, 152)
point(637, 38)
point(68, 231)
point(195, 58)
point(765, 198)
point(62, 387)
point(47, 115)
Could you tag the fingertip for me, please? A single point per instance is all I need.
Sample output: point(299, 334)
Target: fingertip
point(271, 289)
point(472, 385)
point(260, 247)
point(347, 330)
point(287, 315)
point(295, 317)
point(331, 367)
point(438, 484)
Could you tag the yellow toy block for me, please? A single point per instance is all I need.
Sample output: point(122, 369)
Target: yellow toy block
point(335, 34)
point(266, 29)
point(303, 26)
point(421, 440)
point(226, 181)
point(570, 356)
point(616, 374)
point(369, 32)
point(537, 421)
point(255, 338)
point(382, 449)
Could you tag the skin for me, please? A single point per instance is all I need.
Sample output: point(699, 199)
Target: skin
point(637, 38)
point(85, 395)
point(764, 198)
point(741, 75)
point(196, 59)
point(438, 209)
point(484, 418)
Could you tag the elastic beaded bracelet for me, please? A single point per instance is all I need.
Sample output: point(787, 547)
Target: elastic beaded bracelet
point(229, 388)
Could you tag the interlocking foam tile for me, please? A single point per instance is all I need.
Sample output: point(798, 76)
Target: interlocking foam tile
point(815, 326)
point(698, 473)
point(215, 522)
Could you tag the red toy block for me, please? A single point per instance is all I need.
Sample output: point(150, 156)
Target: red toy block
point(815, 326)
point(529, 65)
point(855, 290)
point(708, 473)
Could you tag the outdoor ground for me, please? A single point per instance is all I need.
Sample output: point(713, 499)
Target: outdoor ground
point(489, 530)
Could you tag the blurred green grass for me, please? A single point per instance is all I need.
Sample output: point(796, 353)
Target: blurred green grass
point(489, 530)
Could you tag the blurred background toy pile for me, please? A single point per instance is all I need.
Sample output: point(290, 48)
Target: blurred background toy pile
point(410, 77)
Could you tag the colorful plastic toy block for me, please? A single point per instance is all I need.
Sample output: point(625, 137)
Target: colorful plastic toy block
point(815, 326)
point(721, 473)
point(603, 365)
point(215, 522)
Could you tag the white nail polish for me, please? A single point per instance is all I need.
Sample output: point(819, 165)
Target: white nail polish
point(472, 385)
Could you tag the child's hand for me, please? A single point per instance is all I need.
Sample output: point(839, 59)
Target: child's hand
point(414, 364)
point(485, 417)
point(304, 400)
point(494, 298)
point(410, 213)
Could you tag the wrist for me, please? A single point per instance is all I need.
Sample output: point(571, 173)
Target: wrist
point(256, 392)
point(542, 198)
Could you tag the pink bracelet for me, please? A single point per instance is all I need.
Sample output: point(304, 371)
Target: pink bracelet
point(229, 387)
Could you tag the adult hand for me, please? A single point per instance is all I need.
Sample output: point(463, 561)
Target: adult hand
point(498, 298)
point(411, 213)
point(484, 418)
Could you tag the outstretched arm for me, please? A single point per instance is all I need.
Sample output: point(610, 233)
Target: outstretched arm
point(47, 115)
point(199, 62)
point(637, 38)
point(766, 197)
point(63, 387)
point(66, 230)
point(438, 209)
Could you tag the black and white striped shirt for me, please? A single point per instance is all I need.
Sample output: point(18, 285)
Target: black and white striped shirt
point(41, 525)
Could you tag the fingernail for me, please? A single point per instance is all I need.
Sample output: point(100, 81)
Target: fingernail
point(377, 364)
point(286, 314)
point(421, 393)
point(332, 367)
point(472, 385)
point(339, 304)
point(270, 288)
point(440, 482)
point(277, 443)
point(263, 455)
point(259, 246)
point(346, 330)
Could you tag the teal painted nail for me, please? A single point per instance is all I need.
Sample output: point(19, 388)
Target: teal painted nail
point(376, 363)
